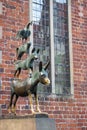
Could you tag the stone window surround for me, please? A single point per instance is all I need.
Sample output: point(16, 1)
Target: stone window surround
point(0, 82)
point(0, 7)
point(0, 56)
point(0, 32)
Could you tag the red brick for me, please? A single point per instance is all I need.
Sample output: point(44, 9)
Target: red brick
point(69, 114)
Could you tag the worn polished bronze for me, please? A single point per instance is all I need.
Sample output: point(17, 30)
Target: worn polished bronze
point(27, 87)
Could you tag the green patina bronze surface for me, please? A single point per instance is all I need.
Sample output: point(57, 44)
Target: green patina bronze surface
point(23, 49)
point(26, 64)
point(24, 33)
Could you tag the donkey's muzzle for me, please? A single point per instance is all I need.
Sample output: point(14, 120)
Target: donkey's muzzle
point(47, 81)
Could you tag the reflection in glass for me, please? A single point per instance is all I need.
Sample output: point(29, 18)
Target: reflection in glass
point(41, 36)
point(41, 39)
point(62, 68)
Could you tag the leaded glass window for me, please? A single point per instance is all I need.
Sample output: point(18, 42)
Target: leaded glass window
point(41, 33)
point(61, 46)
point(41, 39)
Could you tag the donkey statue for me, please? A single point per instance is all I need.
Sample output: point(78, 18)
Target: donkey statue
point(27, 63)
point(27, 87)
point(22, 49)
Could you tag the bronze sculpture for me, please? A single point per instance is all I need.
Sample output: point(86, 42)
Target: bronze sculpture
point(27, 63)
point(28, 86)
point(22, 49)
point(24, 33)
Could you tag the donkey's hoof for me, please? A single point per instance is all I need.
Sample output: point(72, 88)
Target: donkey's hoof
point(38, 110)
point(33, 112)
point(9, 110)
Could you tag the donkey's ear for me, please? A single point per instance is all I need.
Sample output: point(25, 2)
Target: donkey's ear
point(40, 66)
point(38, 51)
point(33, 50)
point(46, 66)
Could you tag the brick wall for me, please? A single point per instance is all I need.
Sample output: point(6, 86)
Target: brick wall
point(69, 113)
point(14, 15)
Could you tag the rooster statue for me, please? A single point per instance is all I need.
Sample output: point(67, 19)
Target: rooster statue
point(24, 33)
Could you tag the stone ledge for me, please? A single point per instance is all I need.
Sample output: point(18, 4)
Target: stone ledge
point(37, 115)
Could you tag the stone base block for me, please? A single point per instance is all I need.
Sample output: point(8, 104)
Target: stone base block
point(27, 123)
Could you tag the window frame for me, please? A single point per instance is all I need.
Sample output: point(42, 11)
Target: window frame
point(52, 43)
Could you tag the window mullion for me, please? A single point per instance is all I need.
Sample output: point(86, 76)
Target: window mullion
point(52, 47)
point(70, 47)
point(31, 19)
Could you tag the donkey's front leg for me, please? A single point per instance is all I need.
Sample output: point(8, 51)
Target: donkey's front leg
point(10, 104)
point(37, 104)
point(31, 103)
point(14, 105)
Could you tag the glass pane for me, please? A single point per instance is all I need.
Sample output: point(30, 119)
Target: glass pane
point(41, 34)
point(37, 1)
point(62, 67)
point(60, 1)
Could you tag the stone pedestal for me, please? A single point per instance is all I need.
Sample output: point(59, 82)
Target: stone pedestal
point(27, 123)
point(45, 124)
